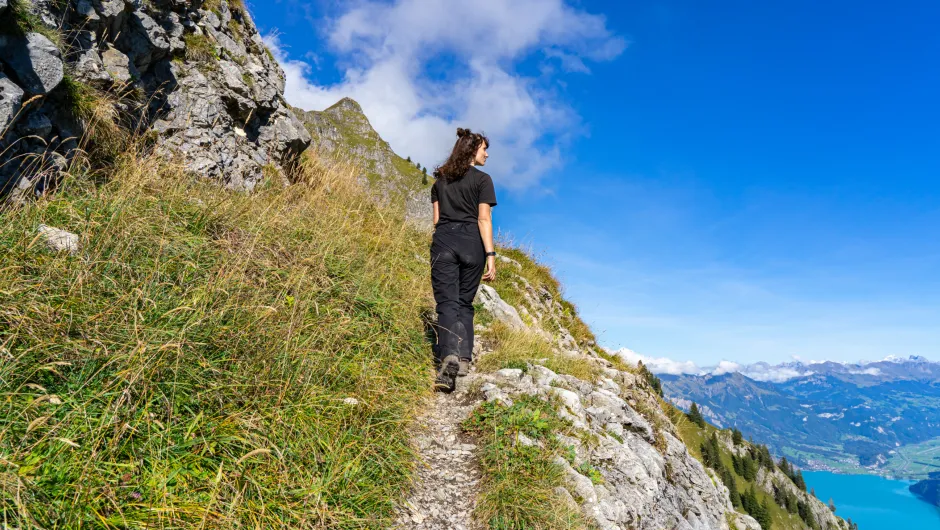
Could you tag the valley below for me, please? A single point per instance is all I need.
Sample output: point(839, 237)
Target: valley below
point(875, 418)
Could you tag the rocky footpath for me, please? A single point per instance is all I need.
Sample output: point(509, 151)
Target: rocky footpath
point(647, 478)
point(448, 478)
point(196, 73)
point(343, 131)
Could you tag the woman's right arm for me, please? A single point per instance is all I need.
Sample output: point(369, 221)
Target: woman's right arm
point(485, 221)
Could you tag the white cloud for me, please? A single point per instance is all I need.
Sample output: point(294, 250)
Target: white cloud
point(757, 371)
point(726, 367)
point(659, 365)
point(384, 51)
point(773, 374)
point(867, 371)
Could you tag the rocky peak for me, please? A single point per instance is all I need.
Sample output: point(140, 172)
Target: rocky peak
point(347, 104)
point(344, 131)
point(196, 73)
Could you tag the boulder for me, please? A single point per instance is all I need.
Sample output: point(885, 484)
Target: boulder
point(35, 60)
point(143, 40)
point(498, 308)
point(11, 98)
point(119, 66)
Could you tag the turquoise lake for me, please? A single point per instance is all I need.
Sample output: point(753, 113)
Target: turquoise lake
point(874, 503)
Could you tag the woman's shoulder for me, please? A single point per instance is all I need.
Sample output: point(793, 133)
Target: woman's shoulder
point(477, 173)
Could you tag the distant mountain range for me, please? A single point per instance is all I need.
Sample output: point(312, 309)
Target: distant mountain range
point(881, 416)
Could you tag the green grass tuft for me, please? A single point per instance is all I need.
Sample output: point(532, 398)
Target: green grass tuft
point(200, 49)
point(518, 491)
point(79, 98)
point(22, 19)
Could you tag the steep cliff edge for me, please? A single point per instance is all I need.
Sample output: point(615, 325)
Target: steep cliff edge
point(196, 73)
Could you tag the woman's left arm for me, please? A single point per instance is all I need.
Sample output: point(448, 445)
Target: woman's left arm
point(437, 212)
point(485, 221)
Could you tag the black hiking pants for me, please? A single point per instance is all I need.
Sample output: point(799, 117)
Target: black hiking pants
point(457, 262)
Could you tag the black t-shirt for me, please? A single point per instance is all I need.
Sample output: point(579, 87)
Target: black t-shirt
point(459, 200)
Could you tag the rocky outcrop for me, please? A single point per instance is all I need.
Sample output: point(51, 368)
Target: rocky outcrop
point(195, 72)
point(644, 477)
point(343, 131)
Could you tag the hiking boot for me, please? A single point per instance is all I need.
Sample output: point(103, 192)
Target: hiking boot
point(464, 368)
point(446, 380)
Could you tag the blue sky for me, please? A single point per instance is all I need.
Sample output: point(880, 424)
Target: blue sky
point(734, 181)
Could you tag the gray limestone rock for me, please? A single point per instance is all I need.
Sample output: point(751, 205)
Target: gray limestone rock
point(90, 69)
point(36, 124)
point(59, 240)
point(35, 60)
point(118, 66)
point(498, 308)
point(225, 121)
point(11, 98)
point(143, 40)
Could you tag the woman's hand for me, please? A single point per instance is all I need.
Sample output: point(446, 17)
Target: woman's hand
point(490, 273)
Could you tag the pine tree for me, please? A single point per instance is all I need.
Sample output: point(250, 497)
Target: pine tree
point(424, 170)
point(736, 437)
point(424, 180)
point(792, 504)
point(409, 159)
point(832, 505)
point(748, 468)
point(728, 479)
point(800, 483)
point(695, 416)
point(763, 517)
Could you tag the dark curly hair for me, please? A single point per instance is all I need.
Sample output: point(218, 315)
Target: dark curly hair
point(461, 157)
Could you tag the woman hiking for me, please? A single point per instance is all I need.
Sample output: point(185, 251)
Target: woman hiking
point(463, 197)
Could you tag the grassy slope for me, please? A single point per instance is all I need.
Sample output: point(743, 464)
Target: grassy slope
point(188, 367)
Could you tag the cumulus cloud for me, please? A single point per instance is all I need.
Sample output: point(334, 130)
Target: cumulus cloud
point(660, 365)
point(385, 51)
point(773, 374)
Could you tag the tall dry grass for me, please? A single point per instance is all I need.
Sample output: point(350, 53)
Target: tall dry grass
point(189, 367)
point(513, 348)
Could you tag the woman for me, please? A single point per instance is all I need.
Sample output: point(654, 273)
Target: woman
point(462, 197)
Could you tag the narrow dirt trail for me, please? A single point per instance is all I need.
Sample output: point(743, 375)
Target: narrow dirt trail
point(444, 493)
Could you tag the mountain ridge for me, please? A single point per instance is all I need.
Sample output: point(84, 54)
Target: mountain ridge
point(856, 417)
